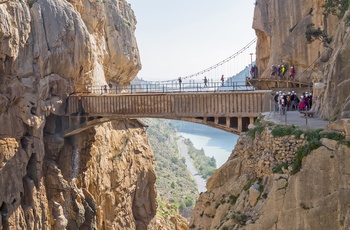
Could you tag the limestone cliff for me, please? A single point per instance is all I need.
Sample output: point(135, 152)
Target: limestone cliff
point(103, 178)
point(259, 187)
point(252, 191)
point(280, 27)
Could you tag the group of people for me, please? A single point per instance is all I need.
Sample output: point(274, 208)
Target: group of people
point(279, 72)
point(291, 101)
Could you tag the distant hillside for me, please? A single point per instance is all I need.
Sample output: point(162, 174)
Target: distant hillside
point(175, 185)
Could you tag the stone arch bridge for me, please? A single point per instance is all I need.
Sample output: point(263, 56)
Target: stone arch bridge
point(231, 111)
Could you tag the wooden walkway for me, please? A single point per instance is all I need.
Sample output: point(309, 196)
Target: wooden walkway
point(269, 83)
point(232, 111)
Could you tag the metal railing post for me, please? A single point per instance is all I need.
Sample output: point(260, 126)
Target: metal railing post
point(306, 120)
point(285, 115)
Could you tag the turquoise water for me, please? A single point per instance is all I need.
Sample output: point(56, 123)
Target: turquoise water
point(215, 143)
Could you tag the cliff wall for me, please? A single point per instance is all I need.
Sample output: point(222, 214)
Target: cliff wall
point(103, 178)
point(260, 188)
point(280, 27)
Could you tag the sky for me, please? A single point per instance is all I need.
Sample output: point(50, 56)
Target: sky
point(182, 37)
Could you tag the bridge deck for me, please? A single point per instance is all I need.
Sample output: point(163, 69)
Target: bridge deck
point(171, 104)
point(231, 111)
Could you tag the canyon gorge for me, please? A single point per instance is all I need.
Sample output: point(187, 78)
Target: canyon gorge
point(104, 177)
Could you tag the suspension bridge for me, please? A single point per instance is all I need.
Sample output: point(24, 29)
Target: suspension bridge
point(219, 96)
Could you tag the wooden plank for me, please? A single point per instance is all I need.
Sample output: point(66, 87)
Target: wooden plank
point(236, 103)
point(229, 103)
point(155, 104)
point(251, 103)
point(220, 104)
point(150, 104)
point(211, 105)
point(167, 104)
point(129, 104)
point(138, 104)
point(239, 103)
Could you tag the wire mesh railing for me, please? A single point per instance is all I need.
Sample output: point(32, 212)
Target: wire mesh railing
point(171, 87)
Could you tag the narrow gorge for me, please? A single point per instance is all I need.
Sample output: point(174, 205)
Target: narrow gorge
point(104, 177)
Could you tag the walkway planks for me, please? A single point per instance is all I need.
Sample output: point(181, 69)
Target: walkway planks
point(171, 104)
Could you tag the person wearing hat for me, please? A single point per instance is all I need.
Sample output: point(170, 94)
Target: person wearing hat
point(283, 70)
point(306, 99)
point(291, 73)
point(288, 101)
point(302, 104)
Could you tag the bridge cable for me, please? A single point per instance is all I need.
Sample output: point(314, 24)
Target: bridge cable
point(216, 65)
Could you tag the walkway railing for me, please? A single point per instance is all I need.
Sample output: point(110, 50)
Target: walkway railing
point(172, 87)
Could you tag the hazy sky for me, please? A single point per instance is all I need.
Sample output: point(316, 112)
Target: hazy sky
point(182, 37)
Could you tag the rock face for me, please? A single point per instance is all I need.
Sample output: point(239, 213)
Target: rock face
point(103, 178)
point(280, 27)
point(245, 194)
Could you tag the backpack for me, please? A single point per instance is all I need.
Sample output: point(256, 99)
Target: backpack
point(288, 98)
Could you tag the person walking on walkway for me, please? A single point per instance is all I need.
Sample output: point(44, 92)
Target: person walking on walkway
point(275, 98)
point(283, 71)
point(291, 73)
point(205, 81)
point(273, 71)
point(180, 82)
point(222, 80)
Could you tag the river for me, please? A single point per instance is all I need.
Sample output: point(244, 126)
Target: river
point(215, 143)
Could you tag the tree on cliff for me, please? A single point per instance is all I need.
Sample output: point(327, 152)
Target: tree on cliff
point(331, 7)
point(337, 8)
point(313, 34)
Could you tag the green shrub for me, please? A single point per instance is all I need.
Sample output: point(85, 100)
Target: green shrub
point(189, 202)
point(282, 130)
point(259, 127)
point(278, 168)
point(346, 142)
point(336, 7)
point(312, 34)
point(261, 188)
point(297, 133)
point(313, 134)
point(233, 199)
point(304, 151)
point(249, 183)
point(240, 218)
point(333, 135)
